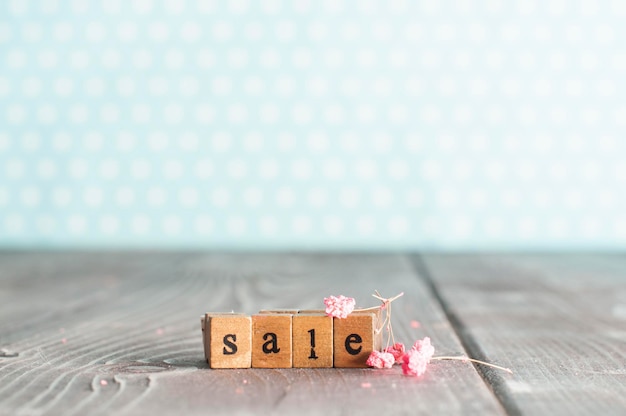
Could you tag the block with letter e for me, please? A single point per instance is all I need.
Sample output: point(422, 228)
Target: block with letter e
point(312, 340)
point(228, 340)
point(271, 341)
point(355, 337)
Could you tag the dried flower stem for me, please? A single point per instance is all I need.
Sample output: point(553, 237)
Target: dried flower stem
point(371, 308)
point(387, 321)
point(390, 339)
point(463, 358)
point(386, 304)
point(385, 300)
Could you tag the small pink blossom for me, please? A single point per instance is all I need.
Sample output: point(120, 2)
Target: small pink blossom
point(414, 363)
point(397, 350)
point(379, 359)
point(339, 306)
point(424, 347)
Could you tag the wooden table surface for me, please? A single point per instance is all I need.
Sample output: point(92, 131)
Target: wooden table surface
point(119, 333)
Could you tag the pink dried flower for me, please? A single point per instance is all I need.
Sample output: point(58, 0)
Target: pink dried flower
point(424, 347)
point(378, 359)
point(397, 350)
point(339, 306)
point(414, 363)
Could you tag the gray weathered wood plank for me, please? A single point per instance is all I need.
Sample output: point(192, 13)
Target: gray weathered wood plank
point(559, 321)
point(98, 333)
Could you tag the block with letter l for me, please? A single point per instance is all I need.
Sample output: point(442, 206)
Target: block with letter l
point(312, 340)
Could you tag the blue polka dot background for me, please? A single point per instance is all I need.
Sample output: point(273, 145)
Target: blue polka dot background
point(313, 124)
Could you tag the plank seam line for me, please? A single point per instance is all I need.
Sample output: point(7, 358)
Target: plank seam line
point(472, 349)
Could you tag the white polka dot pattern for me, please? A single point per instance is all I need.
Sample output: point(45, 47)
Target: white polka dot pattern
point(381, 124)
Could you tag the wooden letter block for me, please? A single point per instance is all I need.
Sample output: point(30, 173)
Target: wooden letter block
point(354, 338)
point(312, 340)
point(205, 338)
point(229, 337)
point(271, 341)
point(310, 311)
point(378, 325)
point(278, 311)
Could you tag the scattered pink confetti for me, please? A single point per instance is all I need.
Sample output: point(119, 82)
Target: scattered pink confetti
point(239, 390)
point(64, 340)
point(245, 382)
point(366, 385)
point(415, 324)
point(339, 306)
point(103, 382)
point(159, 331)
point(61, 330)
point(379, 359)
point(397, 350)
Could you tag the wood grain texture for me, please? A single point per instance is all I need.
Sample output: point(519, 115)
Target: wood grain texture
point(118, 333)
point(559, 321)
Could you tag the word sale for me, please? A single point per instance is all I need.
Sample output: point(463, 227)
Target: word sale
point(290, 338)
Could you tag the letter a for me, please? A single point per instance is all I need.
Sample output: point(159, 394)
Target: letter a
point(270, 346)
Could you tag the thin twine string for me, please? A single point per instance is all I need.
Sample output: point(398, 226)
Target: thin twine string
point(464, 358)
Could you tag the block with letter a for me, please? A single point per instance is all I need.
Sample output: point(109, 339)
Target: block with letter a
point(271, 341)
